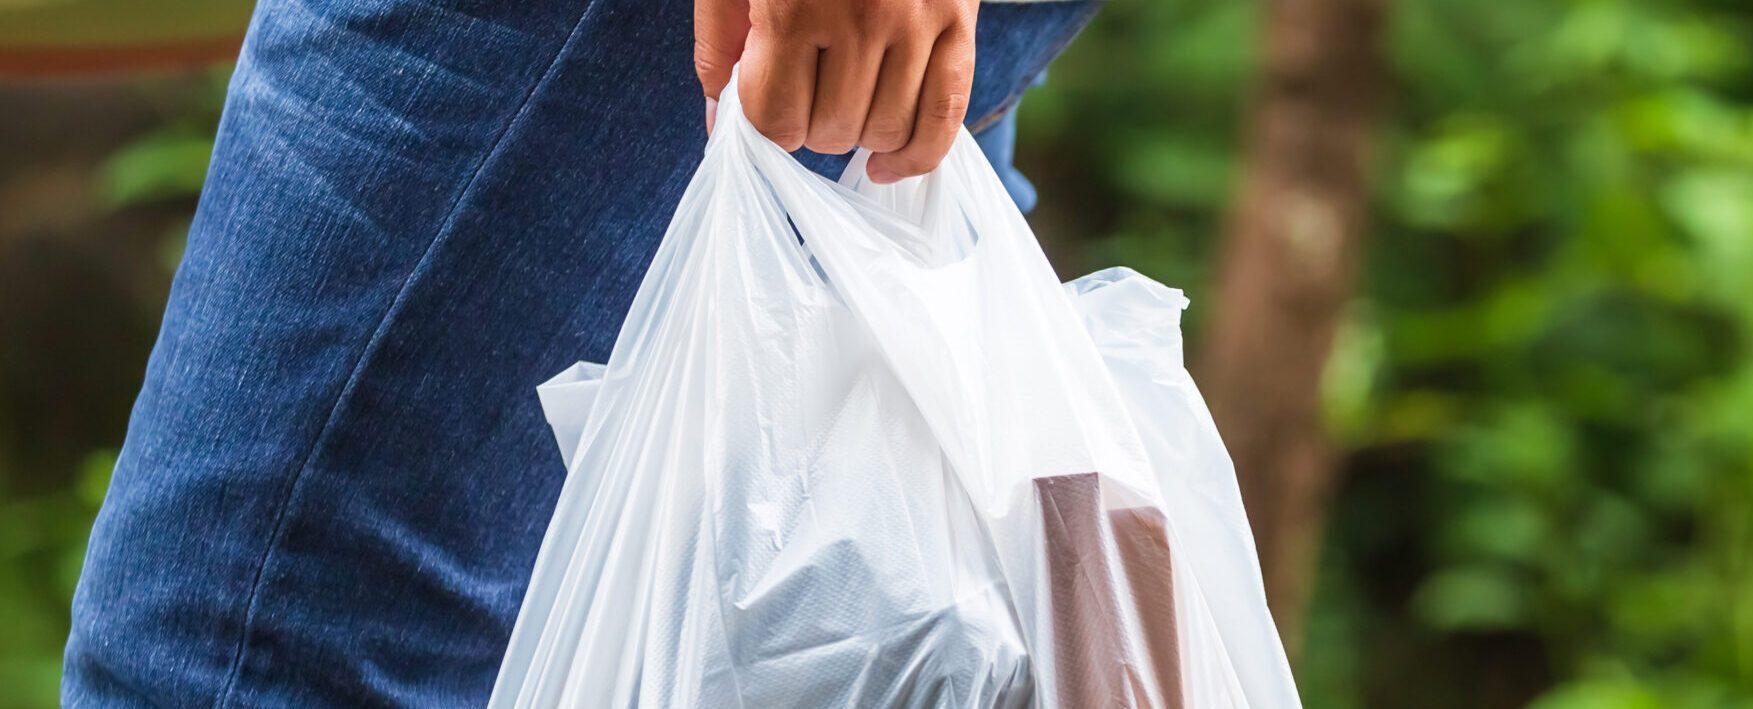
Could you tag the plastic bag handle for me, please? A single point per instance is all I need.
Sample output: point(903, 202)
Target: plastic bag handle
point(934, 302)
point(912, 215)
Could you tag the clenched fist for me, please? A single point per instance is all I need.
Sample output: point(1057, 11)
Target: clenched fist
point(892, 76)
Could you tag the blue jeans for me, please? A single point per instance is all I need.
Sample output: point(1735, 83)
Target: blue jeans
point(337, 473)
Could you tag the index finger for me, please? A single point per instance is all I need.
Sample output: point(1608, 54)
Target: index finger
point(777, 86)
point(720, 28)
point(943, 103)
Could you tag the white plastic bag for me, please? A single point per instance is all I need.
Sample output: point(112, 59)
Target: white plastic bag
point(856, 447)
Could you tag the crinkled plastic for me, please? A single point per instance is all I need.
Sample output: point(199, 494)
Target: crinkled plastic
point(856, 447)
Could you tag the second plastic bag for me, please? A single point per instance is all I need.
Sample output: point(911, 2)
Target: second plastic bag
point(856, 447)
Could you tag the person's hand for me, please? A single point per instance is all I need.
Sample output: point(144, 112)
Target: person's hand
point(892, 76)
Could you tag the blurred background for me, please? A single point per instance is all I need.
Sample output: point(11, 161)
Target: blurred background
point(1472, 286)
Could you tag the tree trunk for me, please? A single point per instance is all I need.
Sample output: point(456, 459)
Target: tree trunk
point(1288, 265)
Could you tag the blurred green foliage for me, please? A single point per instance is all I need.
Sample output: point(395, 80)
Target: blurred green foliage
point(49, 496)
point(62, 24)
point(1545, 388)
point(42, 544)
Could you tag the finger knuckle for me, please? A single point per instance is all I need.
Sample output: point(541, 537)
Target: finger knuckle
point(711, 62)
point(886, 133)
point(884, 15)
point(831, 137)
point(781, 16)
point(867, 13)
point(913, 167)
point(829, 145)
point(786, 134)
point(950, 107)
point(958, 43)
point(913, 162)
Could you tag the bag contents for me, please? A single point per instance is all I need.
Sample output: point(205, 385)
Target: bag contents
point(856, 447)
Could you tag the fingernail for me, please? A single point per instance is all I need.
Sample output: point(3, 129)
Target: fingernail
point(881, 175)
point(711, 113)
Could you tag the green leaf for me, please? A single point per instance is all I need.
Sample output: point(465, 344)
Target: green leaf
point(1471, 598)
point(156, 167)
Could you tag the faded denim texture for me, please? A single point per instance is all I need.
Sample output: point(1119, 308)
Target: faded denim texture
point(337, 473)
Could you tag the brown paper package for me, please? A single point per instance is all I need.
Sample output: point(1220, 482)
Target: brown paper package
point(1088, 549)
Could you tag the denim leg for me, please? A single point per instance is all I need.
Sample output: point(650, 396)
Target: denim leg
point(337, 474)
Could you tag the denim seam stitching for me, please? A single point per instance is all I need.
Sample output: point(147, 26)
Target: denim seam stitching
point(1057, 47)
point(235, 672)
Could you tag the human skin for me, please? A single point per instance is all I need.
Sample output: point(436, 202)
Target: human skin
point(892, 76)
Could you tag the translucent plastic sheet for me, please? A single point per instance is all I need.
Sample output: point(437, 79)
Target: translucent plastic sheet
point(856, 447)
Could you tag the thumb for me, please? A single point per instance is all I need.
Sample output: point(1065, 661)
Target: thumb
point(720, 28)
